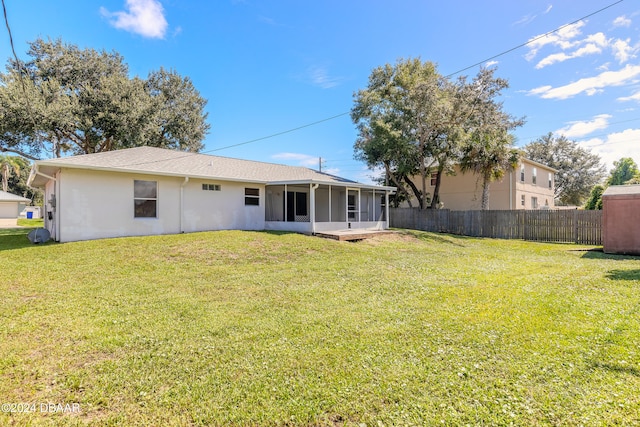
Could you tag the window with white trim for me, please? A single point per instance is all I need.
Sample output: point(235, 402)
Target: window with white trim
point(534, 176)
point(550, 181)
point(145, 199)
point(211, 187)
point(522, 173)
point(252, 196)
point(534, 203)
point(522, 200)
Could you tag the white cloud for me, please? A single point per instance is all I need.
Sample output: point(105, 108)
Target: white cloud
point(622, 21)
point(561, 38)
point(634, 97)
point(589, 49)
point(615, 146)
point(491, 64)
point(589, 85)
point(527, 19)
point(144, 17)
point(319, 76)
point(580, 129)
point(622, 50)
point(591, 45)
point(298, 158)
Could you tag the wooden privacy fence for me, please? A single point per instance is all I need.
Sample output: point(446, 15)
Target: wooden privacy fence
point(566, 226)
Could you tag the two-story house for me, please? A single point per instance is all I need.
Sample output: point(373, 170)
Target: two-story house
point(529, 186)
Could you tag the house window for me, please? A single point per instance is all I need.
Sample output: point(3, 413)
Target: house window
point(252, 196)
point(211, 187)
point(550, 180)
point(521, 173)
point(434, 178)
point(534, 176)
point(534, 203)
point(145, 199)
point(522, 200)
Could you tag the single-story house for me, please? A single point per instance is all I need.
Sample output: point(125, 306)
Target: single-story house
point(621, 219)
point(146, 191)
point(10, 208)
point(529, 186)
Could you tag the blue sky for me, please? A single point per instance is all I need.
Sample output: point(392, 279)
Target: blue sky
point(266, 67)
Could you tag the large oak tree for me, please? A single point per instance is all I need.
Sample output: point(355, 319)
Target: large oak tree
point(412, 122)
point(68, 100)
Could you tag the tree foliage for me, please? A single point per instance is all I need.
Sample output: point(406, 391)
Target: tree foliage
point(68, 100)
point(594, 202)
point(411, 121)
point(624, 170)
point(17, 180)
point(578, 170)
point(8, 165)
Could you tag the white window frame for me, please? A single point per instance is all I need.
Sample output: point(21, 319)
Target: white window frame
point(145, 199)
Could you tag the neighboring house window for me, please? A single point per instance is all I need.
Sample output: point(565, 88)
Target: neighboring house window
point(434, 178)
point(145, 199)
point(252, 196)
point(550, 180)
point(211, 187)
point(534, 203)
point(522, 200)
point(534, 176)
point(521, 173)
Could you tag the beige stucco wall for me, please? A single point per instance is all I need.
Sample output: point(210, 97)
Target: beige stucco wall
point(96, 204)
point(463, 191)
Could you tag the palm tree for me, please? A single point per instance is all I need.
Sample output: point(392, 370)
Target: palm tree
point(7, 165)
point(490, 157)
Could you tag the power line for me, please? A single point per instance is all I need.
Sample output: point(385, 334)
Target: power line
point(279, 133)
point(534, 39)
point(447, 76)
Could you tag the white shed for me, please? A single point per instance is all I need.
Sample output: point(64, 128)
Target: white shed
point(9, 208)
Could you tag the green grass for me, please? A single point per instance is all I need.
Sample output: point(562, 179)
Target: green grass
point(24, 222)
point(250, 328)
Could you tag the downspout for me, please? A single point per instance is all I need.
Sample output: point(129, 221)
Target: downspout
point(186, 180)
point(56, 212)
point(312, 206)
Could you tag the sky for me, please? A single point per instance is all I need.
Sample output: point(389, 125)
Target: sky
point(280, 76)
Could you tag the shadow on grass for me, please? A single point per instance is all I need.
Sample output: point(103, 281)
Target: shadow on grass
point(598, 253)
point(451, 239)
point(623, 369)
point(623, 274)
point(16, 238)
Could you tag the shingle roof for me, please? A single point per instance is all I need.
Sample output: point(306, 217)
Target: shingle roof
point(8, 197)
point(170, 162)
point(620, 190)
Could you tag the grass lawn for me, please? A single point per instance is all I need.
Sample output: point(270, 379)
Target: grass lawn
point(250, 328)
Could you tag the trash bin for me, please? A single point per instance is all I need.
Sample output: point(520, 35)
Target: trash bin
point(29, 215)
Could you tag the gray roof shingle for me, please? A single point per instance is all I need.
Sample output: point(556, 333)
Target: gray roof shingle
point(161, 161)
point(8, 197)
